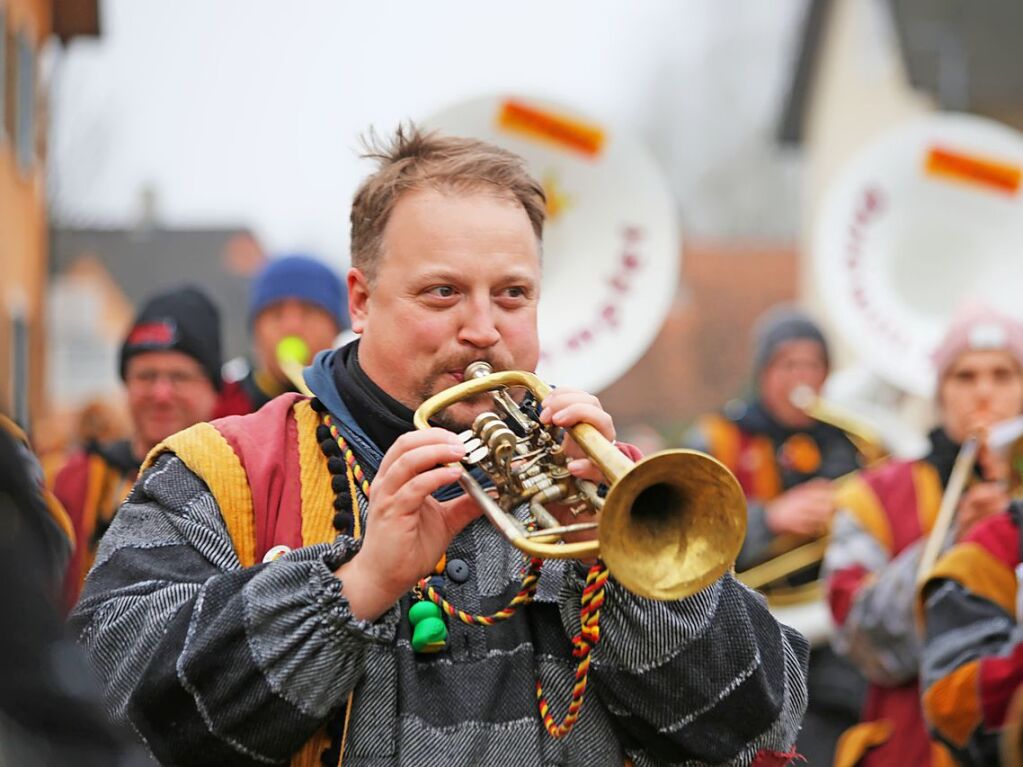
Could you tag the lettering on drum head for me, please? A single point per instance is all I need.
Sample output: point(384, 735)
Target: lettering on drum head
point(620, 284)
point(870, 207)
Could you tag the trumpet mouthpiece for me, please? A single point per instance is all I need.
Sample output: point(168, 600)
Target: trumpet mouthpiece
point(802, 397)
point(293, 349)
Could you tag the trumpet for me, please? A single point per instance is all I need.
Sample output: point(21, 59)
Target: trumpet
point(668, 526)
point(864, 437)
point(1002, 435)
point(292, 357)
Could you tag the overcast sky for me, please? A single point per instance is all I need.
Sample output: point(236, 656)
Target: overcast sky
point(248, 111)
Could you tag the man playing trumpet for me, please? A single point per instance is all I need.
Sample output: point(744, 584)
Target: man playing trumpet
point(310, 657)
point(885, 517)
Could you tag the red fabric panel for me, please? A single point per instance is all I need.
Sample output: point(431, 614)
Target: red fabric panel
point(71, 487)
point(266, 443)
point(999, 679)
point(893, 485)
point(232, 400)
point(842, 588)
point(999, 535)
point(910, 745)
point(775, 758)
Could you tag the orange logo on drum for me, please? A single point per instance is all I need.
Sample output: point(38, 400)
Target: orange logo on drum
point(951, 165)
point(565, 132)
point(558, 201)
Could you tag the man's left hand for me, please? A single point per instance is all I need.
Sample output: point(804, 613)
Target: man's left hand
point(565, 408)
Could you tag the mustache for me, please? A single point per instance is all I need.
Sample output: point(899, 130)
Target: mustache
point(462, 362)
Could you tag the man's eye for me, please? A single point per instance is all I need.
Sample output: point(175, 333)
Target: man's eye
point(442, 291)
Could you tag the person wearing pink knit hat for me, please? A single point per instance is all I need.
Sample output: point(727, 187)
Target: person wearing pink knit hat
point(972, 654)
point(884, 518)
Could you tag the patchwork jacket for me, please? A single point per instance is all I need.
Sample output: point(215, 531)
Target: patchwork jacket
point(216, 657)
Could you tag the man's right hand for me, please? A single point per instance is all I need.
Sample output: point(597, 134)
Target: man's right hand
point(804, 510)
point(407, 531)
point(979, 502)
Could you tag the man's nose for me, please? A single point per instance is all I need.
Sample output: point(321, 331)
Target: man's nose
point(163, 388)
point(478, 327)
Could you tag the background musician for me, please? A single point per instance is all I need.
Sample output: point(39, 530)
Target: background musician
point(887, 511)
point(294, 296)
point(785, 461)
point(311, 654)
point(170, 364)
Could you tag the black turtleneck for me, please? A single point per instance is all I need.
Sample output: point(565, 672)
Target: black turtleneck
point(380, 415)
point(943, 455)
point(838, 454)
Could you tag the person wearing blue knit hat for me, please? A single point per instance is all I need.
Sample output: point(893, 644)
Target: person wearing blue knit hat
point(295, 299)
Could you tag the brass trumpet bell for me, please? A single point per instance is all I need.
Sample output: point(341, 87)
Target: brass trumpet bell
point(668, 526)
point(672, 524)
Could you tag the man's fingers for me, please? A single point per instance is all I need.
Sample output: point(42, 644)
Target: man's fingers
point(457, 512)
point(584, 468)
point(412, 493)
point(404, 468)
point(414, 439)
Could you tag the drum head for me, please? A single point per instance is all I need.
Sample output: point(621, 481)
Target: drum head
point(929, 216)
point(611, 244)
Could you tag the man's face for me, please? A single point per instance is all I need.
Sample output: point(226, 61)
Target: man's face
point(799, 362)
point(978, 389)
point(167, 392)
point(458, 280)
point(290, 317)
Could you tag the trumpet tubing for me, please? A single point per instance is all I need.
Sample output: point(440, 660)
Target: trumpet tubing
point(669, 525)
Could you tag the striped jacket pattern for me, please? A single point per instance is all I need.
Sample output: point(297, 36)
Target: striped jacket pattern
point(973, 647)
point(215, 663)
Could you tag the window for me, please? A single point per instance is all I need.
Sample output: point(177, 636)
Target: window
point(5, 107)
point(25, 103)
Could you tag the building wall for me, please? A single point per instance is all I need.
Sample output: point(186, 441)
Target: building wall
point(23, 239)
point(701, 357)
point(860, 90)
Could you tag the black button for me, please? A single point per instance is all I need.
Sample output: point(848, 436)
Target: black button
point(458, 570)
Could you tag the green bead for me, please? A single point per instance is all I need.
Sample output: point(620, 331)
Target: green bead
point(421, 610)
point(429, 635)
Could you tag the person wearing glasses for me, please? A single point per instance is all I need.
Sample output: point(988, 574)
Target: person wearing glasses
point(170, 363)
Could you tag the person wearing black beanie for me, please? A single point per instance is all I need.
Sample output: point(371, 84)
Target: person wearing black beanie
point(170, 364)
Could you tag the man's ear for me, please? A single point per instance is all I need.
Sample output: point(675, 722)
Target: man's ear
point(358, 299)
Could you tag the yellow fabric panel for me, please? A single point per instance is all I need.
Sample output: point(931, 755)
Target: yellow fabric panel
point(859, 739)
point(309, 756)
point(723, 439)
point(317, 527)
point(855, 496)
point(971, 565)
point(94, 493)
point(317, 493)
point(952, 704)
point(941, 756)
point(60, 516)
point(927, 485)
point(766, 481)
point(206, 452)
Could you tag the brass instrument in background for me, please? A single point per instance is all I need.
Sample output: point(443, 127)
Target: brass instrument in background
point(1004, 435)
point(668, 526)
point(292, 357)
point(795, 554)
point(864, 437)
point(803, 606)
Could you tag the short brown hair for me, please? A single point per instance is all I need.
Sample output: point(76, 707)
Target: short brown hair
point(413, 160)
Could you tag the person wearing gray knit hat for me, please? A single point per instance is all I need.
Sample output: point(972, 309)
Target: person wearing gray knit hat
point(785, 462)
